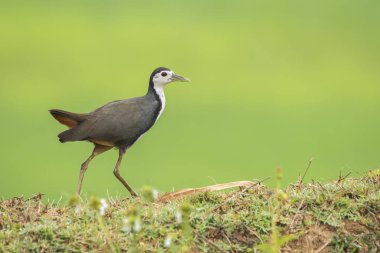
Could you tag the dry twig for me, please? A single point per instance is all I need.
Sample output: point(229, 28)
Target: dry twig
point(211, 188)
point(304, 174)
point(238, 193)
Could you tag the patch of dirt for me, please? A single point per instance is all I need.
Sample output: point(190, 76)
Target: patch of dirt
point(246, 238)
point(355, 228)
point(316, 239)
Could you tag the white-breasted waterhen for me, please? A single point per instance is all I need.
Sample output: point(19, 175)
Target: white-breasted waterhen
point(119, 123)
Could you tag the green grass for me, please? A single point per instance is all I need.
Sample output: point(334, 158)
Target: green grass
point(340, 216)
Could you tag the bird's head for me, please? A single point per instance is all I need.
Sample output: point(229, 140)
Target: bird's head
point(162, 76)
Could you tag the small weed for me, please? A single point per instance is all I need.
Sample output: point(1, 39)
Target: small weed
point(277, 240)
point(341, 243)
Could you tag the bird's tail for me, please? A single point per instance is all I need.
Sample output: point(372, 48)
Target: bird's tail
point(70, 119)
point(68, 135)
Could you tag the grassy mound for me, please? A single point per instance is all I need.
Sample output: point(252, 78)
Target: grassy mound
point(341, 216)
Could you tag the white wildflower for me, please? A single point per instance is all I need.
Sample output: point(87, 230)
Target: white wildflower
point(126, 228)
point(155, 194)
point(178, 217)
point(77, 209)
point(133, 225)
point(168, 241)
point(137, 226)
point(103, 206)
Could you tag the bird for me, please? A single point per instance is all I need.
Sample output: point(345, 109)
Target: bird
point(117, 124)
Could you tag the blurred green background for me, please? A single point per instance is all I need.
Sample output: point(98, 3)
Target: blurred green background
point(274, 83)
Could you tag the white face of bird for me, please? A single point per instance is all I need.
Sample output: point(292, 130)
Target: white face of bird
point(167, 76)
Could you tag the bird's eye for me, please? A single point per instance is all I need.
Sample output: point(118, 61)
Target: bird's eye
point(164, 74)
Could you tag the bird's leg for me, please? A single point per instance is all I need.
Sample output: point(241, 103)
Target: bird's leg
point(117, 173)
point(83, 169)
point(98, 149)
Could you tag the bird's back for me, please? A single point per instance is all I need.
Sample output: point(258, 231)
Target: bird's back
point(119, 123)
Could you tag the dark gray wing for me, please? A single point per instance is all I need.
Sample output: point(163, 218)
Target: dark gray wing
point(119, 121)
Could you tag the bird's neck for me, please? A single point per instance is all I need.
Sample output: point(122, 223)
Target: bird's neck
point(159, 95)
point(159, 92)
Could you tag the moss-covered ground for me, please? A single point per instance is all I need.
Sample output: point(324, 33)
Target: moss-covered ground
point(340, 216)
